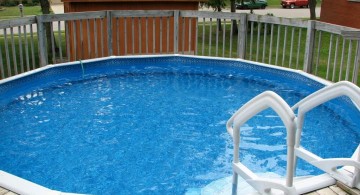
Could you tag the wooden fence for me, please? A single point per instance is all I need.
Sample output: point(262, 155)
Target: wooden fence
point(326, 50)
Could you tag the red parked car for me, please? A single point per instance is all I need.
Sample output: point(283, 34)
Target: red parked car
point(294, 3)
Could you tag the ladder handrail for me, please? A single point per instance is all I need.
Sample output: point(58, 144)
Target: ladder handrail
point(342, 88)
point(267, 99)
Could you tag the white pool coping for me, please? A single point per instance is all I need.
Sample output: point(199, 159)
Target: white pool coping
point(25, 187)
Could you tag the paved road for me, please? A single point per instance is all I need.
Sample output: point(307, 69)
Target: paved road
point(278, 12)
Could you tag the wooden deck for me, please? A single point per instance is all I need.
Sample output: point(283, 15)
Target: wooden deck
point(338, 189)
point(4, 191)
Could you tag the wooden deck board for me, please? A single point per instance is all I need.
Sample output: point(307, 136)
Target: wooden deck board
point(4, 191)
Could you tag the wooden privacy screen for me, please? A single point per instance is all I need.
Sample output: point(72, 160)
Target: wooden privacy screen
point(133, 34)
point(130, 36)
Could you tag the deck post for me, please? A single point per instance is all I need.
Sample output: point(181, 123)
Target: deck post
point(242, 36)
point(176, 31)
point(41, 31)
point(109, 32)
point(309, 46)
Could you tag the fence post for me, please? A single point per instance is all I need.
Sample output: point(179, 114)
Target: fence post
point(176, 31)
point(357, 62)
point(109, 31)
point(242, 36)
point(41, 32)
point(309, 46)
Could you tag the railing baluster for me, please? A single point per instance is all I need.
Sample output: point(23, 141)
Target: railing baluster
point(125, 36)
point(74, 39)
point(146, 35)
point(59, 40)
point(96, 37)
point(318, 53)
point(196, 33)
point(210, 35)
point(231, 36)
point(258, 41)
point(132, 35)
point(67, 40)
point(88, 38)
point(13, 50)
point(154, 38)
point(271, 42)
point(223, 46)
point(356, 63)
point(284, 46)
point(139, 26)
point(117, 29)
point(168, 35)
point(20, 49)
point(26, 50)
point(190, 32)
point(183, 35)
point(203, 38)
point(298, 49)
point(52, 42)
point(335, 58)
point(329, 58)
point(348, 61)
point(32, 46)
point(291, 45)
point(342, 58)
point(251, 39)
point(7, 53)
point(217, 36)
point(277, 45)
point(161, 37)
point(264, 45)
point(102, 36)
point(1, 64)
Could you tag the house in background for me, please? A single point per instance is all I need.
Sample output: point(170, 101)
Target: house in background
point(341, 12)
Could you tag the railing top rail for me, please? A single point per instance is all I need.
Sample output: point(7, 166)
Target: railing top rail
point(142, 13)
point(17, 22)
point(73, 16)
point(206, 14)
point(280, 21)
point(332, 28)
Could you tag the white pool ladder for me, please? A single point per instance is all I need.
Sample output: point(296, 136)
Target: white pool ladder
point(293, 124)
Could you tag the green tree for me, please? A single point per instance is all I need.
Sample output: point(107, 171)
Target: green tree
point(216, 5)
point(45, 9)
point(312, 6)
point(233, 10)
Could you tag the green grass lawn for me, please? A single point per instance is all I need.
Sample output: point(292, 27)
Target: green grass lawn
point(285, 58)
point(14, 12)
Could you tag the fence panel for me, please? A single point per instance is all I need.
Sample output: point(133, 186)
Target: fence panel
point(335, 56)
point(315, 47)
point(18, 46)
point(276, 41)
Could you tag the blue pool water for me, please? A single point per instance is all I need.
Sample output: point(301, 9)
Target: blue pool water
point(156, 125)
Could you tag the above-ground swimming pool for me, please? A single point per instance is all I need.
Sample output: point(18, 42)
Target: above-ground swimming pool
point(156, 125)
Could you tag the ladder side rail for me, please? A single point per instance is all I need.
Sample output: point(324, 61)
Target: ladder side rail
point(259, 103)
